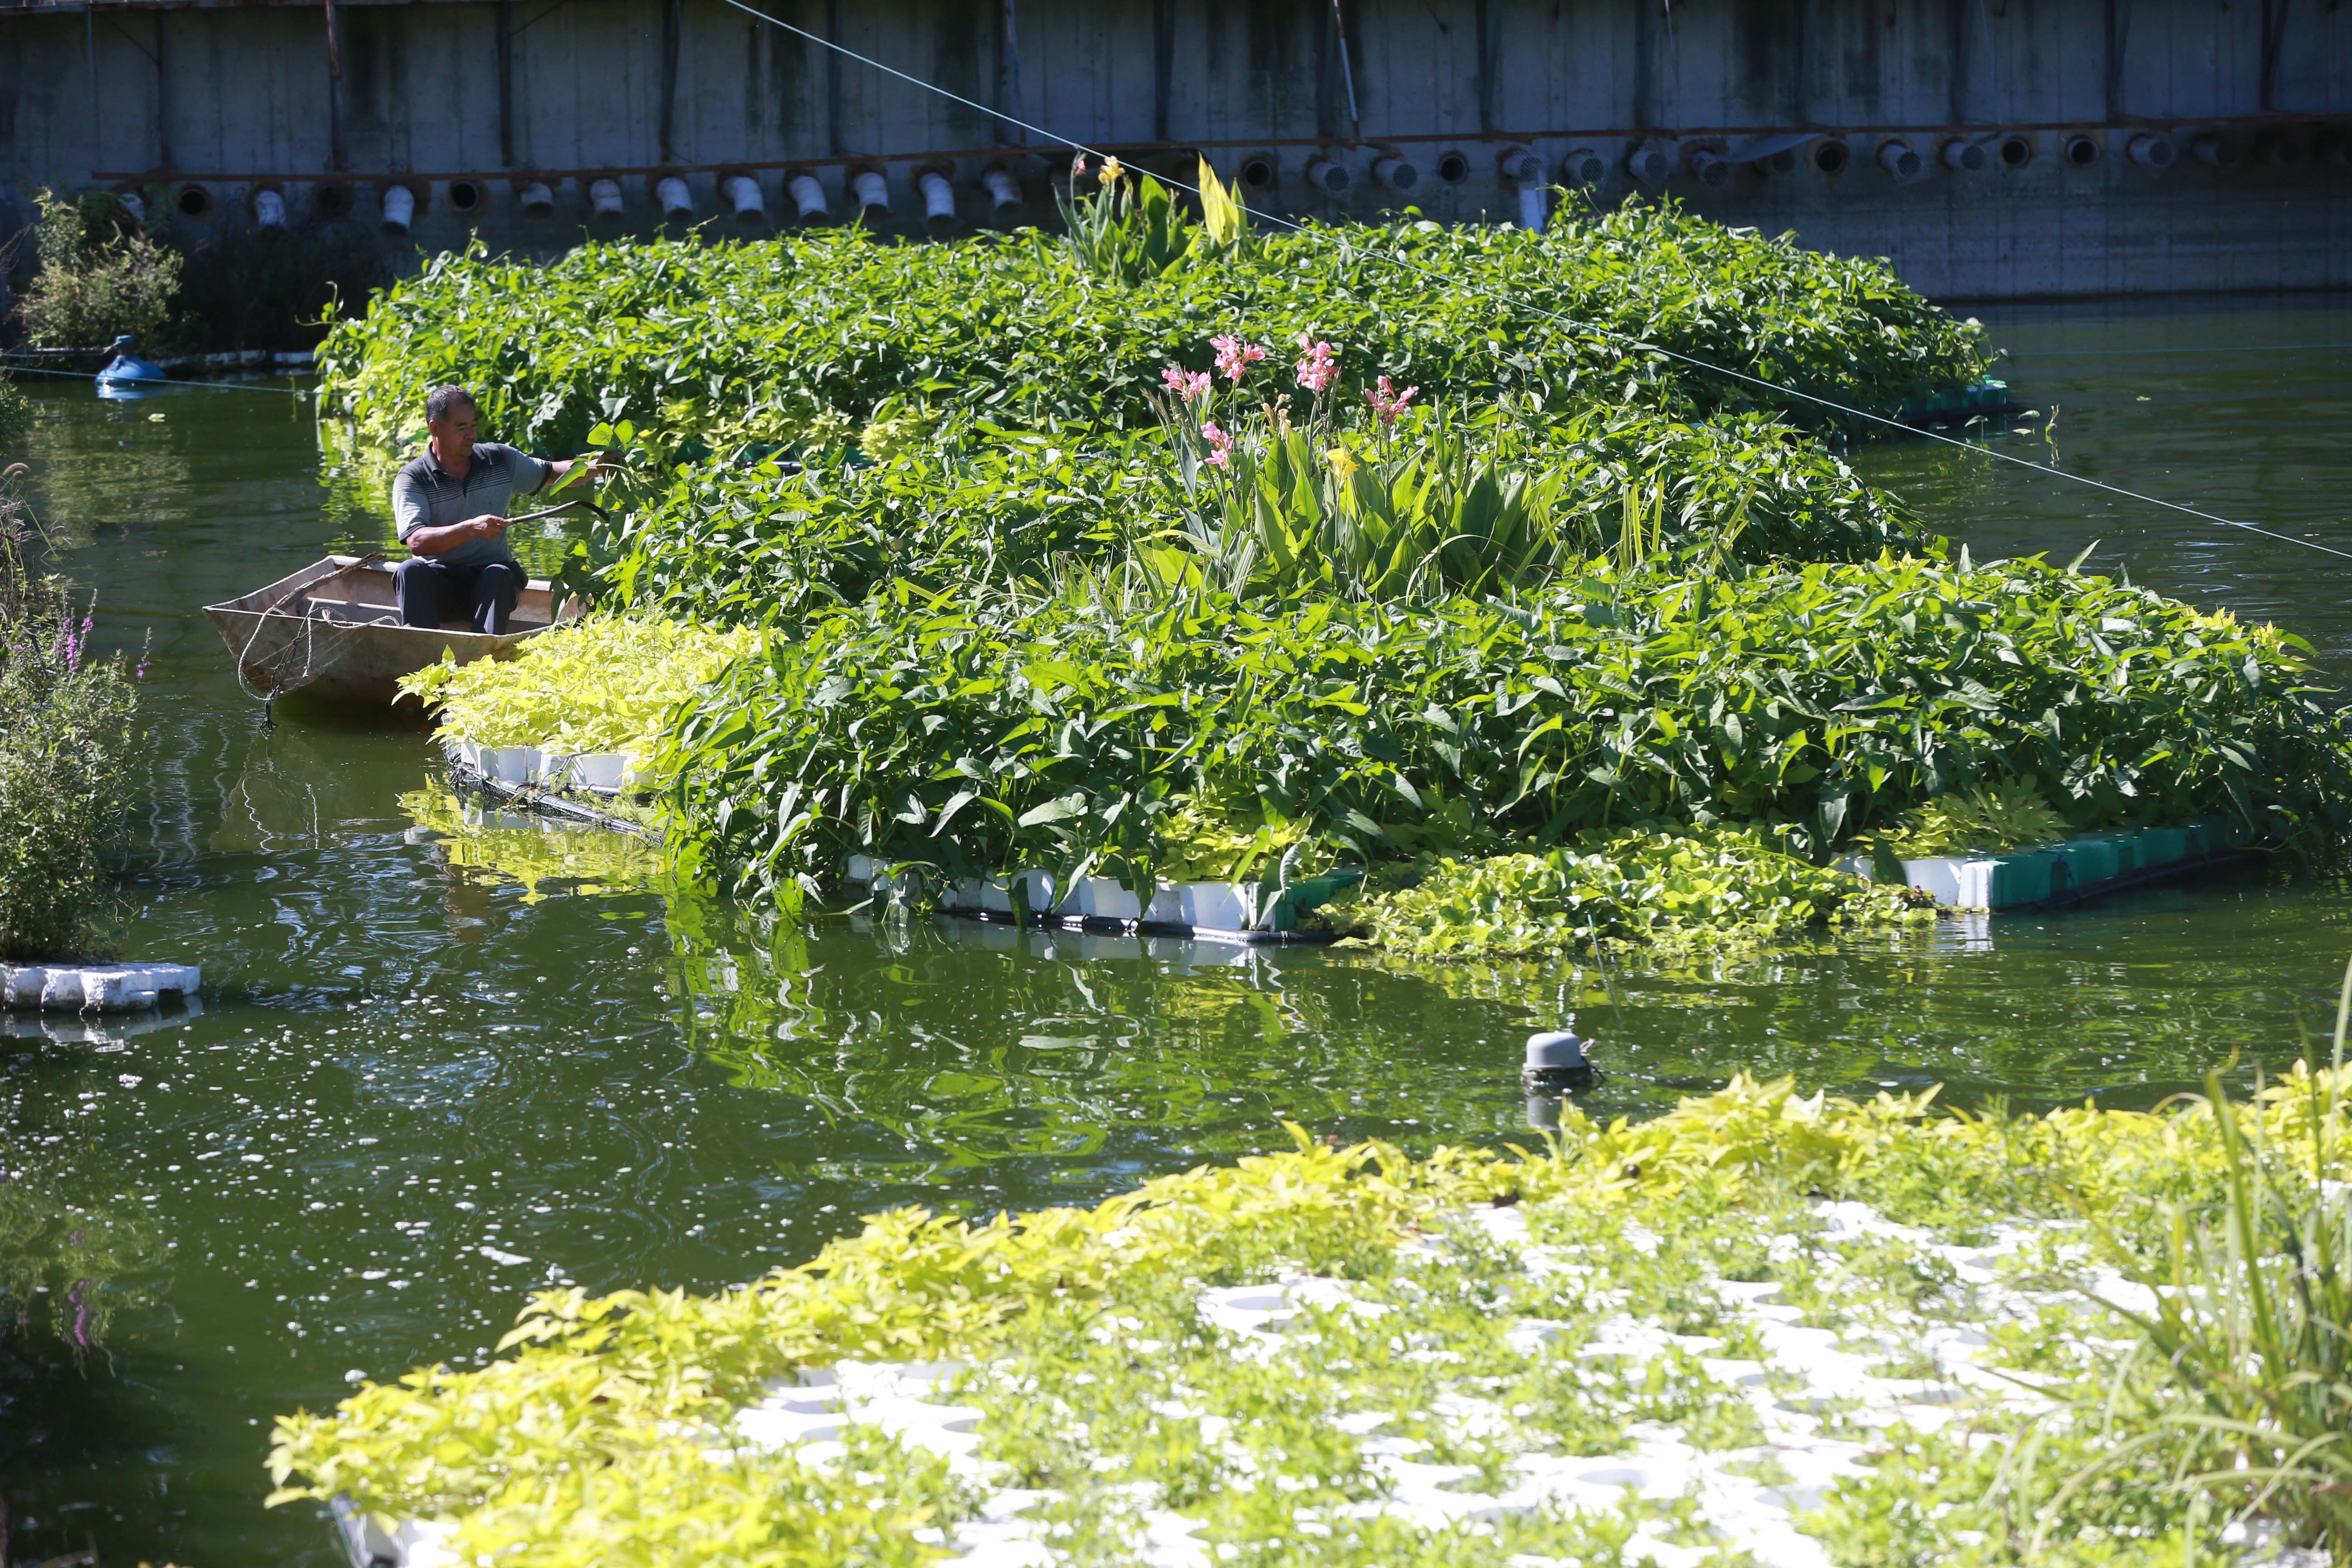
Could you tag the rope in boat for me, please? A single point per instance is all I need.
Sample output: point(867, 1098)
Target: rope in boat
point(1626, 338)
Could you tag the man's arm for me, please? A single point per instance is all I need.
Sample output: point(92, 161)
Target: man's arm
point(408, 512)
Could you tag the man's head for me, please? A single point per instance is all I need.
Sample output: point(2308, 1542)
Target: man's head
point(449, 415)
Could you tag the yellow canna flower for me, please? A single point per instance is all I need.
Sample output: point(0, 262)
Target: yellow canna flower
point(1110, 171)
point(1343, 462)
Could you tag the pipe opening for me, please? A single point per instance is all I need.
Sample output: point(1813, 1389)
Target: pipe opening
point(873, 191)
point(1649, 164)
point(465, 195)
point(1832, 157)
point(2150, 151)
point(807, 194)
point(742, 192)
point(193, 201)
point(2082, 152)
point(1520, 165)
point(1257, 172)
point(2280, 150)
point(1001, 187)
point(1965, 157)
point(938, 194)
point(2331, 145)
point(1452, 168)
point(1582, 167)
point(1711, 169)
point(2216, 151)
point(1895, 156)
point(331, 201)
point(1330, 176)
point(1391, 171)
point(604, 198)
point(399, 209)
point(1784, 162)
point(268, 210)
point(677, 201)
point(2016, 151)
point(536, 199)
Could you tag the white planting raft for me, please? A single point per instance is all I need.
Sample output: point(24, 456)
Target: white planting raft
point(94, 987)
point(1249, 912)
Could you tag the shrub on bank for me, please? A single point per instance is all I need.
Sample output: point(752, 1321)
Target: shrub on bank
point(67, 718)
point(982, 731)
point(776, 338)
point(93, 281)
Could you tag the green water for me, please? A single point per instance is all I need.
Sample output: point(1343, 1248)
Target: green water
point(415, 1089)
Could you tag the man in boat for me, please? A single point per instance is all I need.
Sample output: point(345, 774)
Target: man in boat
point(451, 506)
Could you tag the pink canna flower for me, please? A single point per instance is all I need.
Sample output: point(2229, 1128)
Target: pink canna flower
point(1185, 384)
point(1388, 402)
point(1317, 367)
point(1221, 446)
point(1234, 357)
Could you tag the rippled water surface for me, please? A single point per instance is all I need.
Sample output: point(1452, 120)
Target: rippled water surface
point(431, 1072)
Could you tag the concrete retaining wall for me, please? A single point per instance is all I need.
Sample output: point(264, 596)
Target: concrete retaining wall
point(466, 103)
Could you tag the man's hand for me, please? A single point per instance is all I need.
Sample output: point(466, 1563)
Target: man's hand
point(490, 525)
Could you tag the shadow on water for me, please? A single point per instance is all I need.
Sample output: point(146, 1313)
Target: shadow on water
point(443, 1058)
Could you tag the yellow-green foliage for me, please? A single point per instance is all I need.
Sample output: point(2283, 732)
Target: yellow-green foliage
point(603, 683)
point(607, 1436)
point(2009, 815)
point(1643, 884)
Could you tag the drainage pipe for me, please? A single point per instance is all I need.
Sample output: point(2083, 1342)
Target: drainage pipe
point(1520, 165)
point(1328, 175)
point(1582, 167)
point(2150, 151)
point(675, 200)
point(604, 198)
point(741, 192)
point(1650, 163)
point(1711, 168)
point(1965, 157)
point(1001, 187)
point(399, 208)
point(1535, 206)
point(268, 210)
point(938, 194)
point(1895, 156)
point(1391, 171)
point(536, 199)
point(872, 190)
point(2218, 150)
point(133, 206)
point(807, 193)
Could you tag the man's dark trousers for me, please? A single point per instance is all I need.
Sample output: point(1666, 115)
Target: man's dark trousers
point(428, 591)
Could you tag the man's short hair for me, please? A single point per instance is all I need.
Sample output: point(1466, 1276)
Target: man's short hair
point(441, 399)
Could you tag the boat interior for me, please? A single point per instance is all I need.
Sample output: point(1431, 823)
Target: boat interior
point(351, 591)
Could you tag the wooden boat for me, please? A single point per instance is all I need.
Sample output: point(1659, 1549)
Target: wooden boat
point(333, 630)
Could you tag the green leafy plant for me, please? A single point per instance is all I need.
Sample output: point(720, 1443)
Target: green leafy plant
point(67, 752)
point(603, 683)
point(994, 728)
point(1999, 818)
point(93, 281)
point(781, 335)
point(1647, 884)
point(1129, 230)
